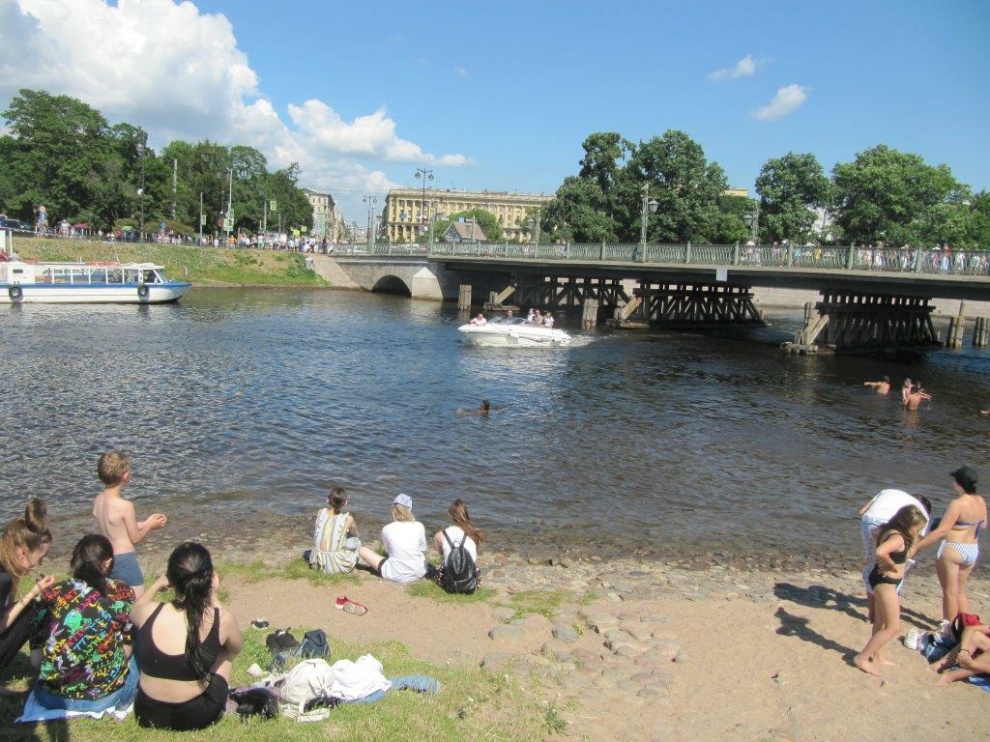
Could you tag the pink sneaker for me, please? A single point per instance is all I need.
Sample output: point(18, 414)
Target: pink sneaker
point(347, 605)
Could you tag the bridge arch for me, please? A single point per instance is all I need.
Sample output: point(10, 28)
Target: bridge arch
point(391, 284)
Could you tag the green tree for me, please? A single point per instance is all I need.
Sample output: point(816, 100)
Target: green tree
point(686, 186)
point(790, 187)
point(893, 197)
point(57, 148)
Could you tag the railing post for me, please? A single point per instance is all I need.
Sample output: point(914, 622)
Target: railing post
point(735, 253)
point(919, 258)
point(790, 255)
point(687, 253)
point(849, 258)
point(601, 254)
point(567, 250)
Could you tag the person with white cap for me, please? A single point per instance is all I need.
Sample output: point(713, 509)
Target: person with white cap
point(404, 541)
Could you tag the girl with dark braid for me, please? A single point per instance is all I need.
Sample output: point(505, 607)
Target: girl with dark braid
point(184, 649)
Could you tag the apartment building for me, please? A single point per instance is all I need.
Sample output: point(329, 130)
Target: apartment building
point(327, 221)
point(408, 210)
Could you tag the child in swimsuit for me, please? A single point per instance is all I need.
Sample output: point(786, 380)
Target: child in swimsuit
point(894, 540)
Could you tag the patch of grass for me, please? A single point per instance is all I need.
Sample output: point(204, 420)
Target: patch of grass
point(430, 589)
point(473, 706)
point(201, 265)
point(296, 569)
point(534, 601)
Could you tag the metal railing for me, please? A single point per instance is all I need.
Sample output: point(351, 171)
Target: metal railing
point(883, 260)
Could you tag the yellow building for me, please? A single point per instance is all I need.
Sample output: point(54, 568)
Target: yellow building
point(409, 210)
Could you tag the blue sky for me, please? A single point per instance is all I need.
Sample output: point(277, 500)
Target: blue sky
point(500, 95)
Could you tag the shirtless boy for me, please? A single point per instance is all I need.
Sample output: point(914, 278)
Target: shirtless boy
point(915, 397)
point(880, 387)
point(116, 520)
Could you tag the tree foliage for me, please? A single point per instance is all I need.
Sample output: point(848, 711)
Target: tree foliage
point(790, 188)
point(61, 153)
point(894, 197)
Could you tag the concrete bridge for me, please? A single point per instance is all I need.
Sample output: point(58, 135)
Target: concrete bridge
point(868, 296)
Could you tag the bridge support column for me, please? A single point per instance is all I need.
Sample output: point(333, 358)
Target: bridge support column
point(847, 320)
point(981, 333)
point(464, 296)
point(699, 305)
point(589, 314)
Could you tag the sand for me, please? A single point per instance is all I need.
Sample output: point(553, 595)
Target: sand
point(648, 651)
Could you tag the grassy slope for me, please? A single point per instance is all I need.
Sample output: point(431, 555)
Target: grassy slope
point(204, 266)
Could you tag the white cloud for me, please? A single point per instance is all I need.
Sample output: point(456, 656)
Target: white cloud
point(787, 100)
point(744, 68)
point(461, 71)
point(178, 73)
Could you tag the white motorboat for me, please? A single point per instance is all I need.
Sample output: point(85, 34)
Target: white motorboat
point(27, 282)
point(513, 332)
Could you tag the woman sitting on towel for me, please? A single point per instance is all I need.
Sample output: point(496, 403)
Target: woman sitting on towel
point(335, 541)
point(404, 540)
point(184, 649)
point(86, 633)
point(23, 546)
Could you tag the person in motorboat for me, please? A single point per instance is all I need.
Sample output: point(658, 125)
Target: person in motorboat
point(404, 540)
point(479, 320)
point(548, 320)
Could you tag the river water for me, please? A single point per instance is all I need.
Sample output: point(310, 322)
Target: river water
point(241, 407)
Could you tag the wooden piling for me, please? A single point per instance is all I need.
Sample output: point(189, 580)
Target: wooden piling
point(589, 314)
point(464, 297)
point(981, 334)
point(957, 325)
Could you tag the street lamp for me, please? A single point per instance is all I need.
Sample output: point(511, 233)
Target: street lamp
point(650, 206)
point(424, 174)
point(140, 152)
point(753, 222)
point(370, 239)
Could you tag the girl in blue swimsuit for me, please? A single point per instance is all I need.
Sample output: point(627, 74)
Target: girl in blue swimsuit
point(894, 541)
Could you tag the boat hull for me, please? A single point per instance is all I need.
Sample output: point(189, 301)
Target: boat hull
point(514, 336)
point(159, 293)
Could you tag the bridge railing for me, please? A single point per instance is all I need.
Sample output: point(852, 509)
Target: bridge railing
point(888, 260)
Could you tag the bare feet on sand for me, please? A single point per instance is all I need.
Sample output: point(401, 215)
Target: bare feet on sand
point(864, 664)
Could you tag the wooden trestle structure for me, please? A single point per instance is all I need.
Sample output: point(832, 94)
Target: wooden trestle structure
point(849, 320)
point(844, 320)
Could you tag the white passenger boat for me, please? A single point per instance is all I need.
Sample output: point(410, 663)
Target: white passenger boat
point(26, 282)
point(513, 332)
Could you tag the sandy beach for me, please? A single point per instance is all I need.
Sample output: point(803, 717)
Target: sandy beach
point(647, 651)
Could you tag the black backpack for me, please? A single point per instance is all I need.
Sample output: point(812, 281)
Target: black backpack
point(460, 574)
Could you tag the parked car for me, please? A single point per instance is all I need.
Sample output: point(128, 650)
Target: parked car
point(15, 224)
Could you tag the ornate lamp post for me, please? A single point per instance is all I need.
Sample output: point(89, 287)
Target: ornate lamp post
point(424, 174)
point(650, 206)
point(140, 152)
point(370, 240)
point(753, 222)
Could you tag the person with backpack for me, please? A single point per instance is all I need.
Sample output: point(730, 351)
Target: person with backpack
point(458, 543)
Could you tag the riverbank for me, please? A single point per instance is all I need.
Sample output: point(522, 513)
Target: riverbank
point(203, 266)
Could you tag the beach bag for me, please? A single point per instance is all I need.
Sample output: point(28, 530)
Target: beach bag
point(460, 574)
point(314, 644)
point(305, 690)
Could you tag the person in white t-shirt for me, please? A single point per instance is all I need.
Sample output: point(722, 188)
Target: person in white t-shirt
point(462, 530)
point(875, 514)
point(404, 540)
